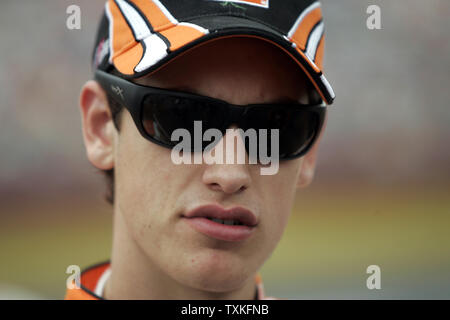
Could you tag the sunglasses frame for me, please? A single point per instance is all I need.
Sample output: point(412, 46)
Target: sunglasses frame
point(131, 96)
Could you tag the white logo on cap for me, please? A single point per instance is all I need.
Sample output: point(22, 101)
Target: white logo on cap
point(256, 3)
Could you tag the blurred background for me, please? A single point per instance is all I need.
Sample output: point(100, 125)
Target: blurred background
point(381, 195)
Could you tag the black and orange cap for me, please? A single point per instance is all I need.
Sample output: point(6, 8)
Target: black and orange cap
point(137, 37)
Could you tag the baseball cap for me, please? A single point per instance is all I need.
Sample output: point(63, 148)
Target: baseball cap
point(138, 37)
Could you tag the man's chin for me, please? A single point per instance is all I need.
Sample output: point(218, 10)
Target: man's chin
point(218, 284)
point(215, 274)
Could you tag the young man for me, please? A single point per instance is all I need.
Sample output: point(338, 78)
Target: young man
point(160, 66)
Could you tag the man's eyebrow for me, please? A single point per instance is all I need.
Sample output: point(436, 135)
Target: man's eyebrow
point(285, 99)
point(184, 89)
point(181, 88)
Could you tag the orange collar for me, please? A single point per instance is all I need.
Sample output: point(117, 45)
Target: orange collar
point(91, 276)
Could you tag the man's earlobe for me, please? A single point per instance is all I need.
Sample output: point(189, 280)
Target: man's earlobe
point(308, 168)
point(97, 125)
point(309, 161)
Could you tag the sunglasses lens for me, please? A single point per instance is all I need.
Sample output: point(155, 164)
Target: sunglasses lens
point(163, 114)
point(297, 127)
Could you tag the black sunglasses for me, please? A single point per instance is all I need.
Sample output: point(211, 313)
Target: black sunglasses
point(158, 112)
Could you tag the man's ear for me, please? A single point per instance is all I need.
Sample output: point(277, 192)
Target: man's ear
point(97, 125)
point(308, 166)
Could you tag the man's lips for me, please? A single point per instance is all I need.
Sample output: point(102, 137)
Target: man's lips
point(244, 222)
point(244, 216)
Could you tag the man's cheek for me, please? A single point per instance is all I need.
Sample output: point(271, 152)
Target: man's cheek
point(278, 210)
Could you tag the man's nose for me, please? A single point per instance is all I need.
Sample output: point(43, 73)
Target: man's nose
point(229, 177)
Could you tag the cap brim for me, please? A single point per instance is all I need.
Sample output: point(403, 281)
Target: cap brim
point(229, 26)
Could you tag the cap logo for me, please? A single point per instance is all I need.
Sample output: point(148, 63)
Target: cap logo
point(256, 3)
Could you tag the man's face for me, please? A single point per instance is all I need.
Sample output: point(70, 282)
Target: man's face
point(152, 194)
